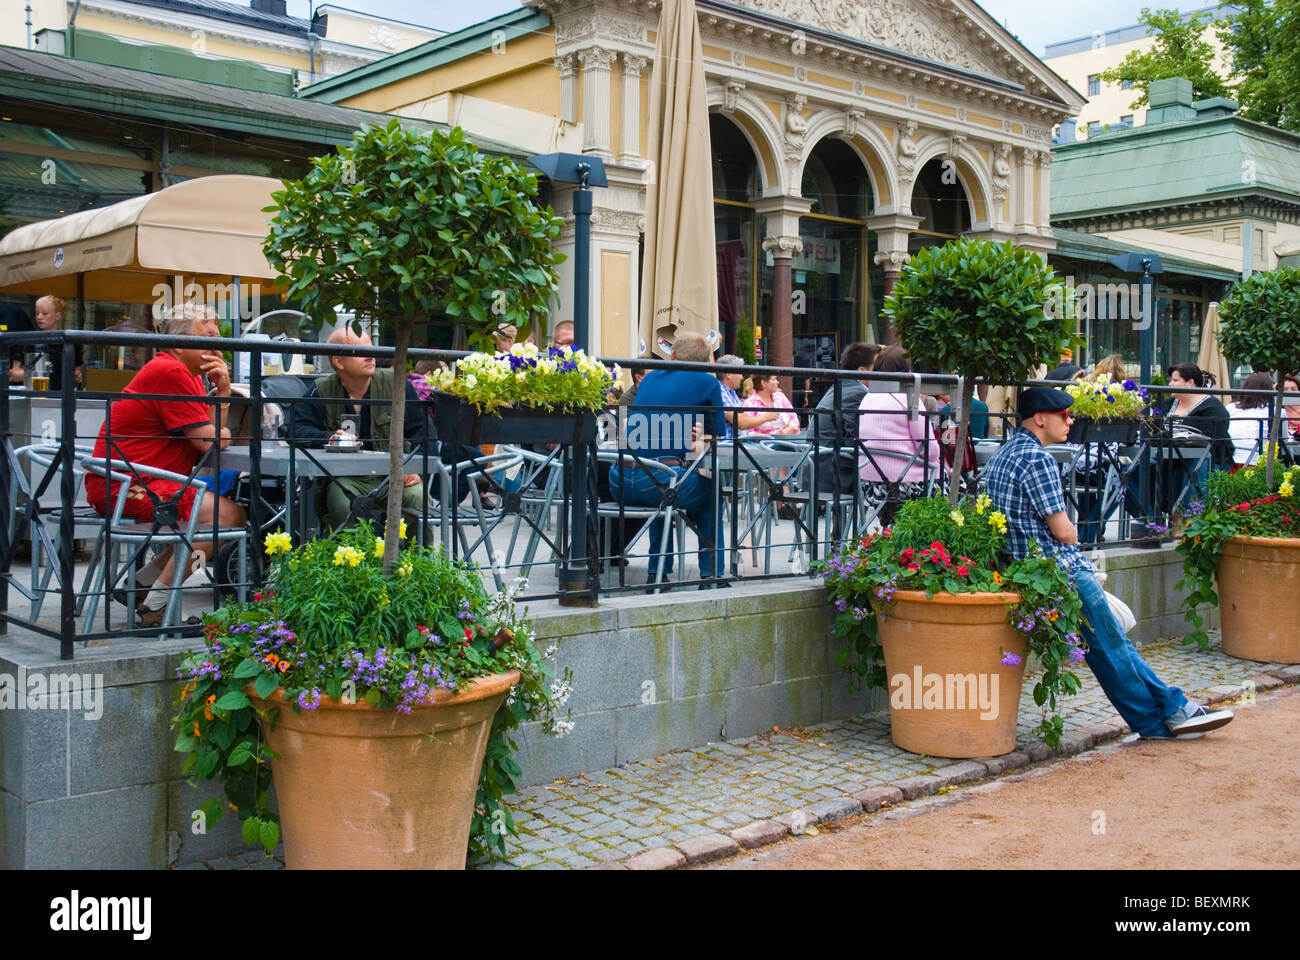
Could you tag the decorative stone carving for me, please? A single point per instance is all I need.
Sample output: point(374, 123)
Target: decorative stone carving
point(859, 89)
point(783, 246)
point(892, 260)
point(961, 114)
point(800, 74)
point(955, 141)
point(1002, 173)
point(737, 58)
point(911, 101)
point(384, 37)
point(854, 121)
point(570, 28)
point(907, 149)
point(633, 66)
point(913, 26)
point(596, 57)
point(795, 125)
point(564, 65)
point(731, 95)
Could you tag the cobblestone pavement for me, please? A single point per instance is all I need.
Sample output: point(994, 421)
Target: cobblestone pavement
point(691, 799)
point(602, 817)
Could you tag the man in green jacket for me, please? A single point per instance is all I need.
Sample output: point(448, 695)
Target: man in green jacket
point(314, 424)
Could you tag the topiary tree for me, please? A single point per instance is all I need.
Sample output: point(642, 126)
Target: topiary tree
point(404, 226)
point(1261, 326)
point(979, 309)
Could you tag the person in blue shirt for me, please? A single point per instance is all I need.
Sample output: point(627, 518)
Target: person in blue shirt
point(1024, 482)
point(662, 425)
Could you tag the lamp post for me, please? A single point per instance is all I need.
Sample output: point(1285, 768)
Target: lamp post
point(1148, 265)
point(577, 582)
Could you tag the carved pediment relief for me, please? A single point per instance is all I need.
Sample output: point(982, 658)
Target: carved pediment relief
point(912, 26)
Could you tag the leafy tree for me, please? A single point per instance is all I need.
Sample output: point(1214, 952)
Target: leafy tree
point(402, 226)
point(980, 309)
point(1261, 326)
point(1263, 38)
point(1181, 50)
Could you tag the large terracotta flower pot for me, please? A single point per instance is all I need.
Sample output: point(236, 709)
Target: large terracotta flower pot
point(1259, 598)
point(364, 788)
point(950, 695)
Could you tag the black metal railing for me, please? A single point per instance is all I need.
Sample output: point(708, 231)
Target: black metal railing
point(784, 499)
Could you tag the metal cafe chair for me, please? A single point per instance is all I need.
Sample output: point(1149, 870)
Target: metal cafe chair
point(674, 520)
point(42, 522)
point(106, 569)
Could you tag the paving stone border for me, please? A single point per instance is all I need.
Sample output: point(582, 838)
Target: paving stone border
point(706, 848)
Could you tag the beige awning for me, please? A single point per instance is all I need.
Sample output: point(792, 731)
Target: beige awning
point(206, 231)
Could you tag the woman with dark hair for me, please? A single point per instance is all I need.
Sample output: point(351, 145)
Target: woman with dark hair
point(1249, 423)
point(896, 469)
point(1203, 414)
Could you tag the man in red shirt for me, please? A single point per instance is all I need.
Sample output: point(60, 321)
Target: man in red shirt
point(170, 435)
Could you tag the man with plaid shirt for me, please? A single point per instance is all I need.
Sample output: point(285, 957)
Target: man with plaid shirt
point(1024, 482)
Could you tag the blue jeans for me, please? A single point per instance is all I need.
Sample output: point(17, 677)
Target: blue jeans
point(696, 495)
point(1131, 686)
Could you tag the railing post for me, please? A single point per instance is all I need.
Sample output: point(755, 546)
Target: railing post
point(67, 492)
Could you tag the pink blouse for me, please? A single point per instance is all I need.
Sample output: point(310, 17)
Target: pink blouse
point(779, 402)
point(883, 425)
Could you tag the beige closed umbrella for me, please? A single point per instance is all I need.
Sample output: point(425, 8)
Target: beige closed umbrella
point(1210, 358)
point(679, 281)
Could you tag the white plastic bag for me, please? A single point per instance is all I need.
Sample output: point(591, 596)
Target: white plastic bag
point(1122, 612)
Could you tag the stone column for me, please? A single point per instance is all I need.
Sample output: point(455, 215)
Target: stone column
point(1044, 218)
point(568, 88)
point(892, 232)
point(632, 67)
point(781, 238)
point(596, 101)
point(1023, 207)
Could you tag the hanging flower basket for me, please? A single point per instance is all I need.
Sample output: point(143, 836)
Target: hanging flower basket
point(458, 422)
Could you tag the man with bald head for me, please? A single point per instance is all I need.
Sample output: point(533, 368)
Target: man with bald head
point(354, 379)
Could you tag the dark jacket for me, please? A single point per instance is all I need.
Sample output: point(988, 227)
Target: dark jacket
point(838, 428)
point(1211, 418)
point(312, 424)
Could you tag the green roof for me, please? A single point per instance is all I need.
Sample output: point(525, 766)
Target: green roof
point(1089, 246)
point(1166, 165)
point(102, 89)
point(435, 53)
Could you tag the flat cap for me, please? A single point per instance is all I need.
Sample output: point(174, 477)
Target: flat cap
point(1042, 400)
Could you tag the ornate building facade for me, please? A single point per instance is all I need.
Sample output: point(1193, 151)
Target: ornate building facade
point(845, 137)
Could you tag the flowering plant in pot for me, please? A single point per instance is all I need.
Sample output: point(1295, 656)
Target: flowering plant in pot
point(1105, 410)
point(559, 378)
point(333, 634)
point(1245, 537)
point(934, 550)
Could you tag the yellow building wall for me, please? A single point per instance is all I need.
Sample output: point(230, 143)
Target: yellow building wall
point(615, 295)
point(342, 26)
point(522, 75)
point(202, 43)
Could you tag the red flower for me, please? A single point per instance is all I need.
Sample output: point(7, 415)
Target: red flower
point(907, 555)
point(937, 547)
point(926, 554)
point(888, 533)
point(913, 567)
point(257, 597)
point(469, 634)
point(963, 570)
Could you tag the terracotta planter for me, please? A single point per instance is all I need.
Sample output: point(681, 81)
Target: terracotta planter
point(1259, 598)
point(364, 788)
point(949, 693)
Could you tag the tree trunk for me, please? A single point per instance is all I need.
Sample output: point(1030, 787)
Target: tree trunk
point(396, 444)
point(963, 428)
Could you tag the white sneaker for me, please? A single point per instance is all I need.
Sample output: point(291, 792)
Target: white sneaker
point(1194, 720)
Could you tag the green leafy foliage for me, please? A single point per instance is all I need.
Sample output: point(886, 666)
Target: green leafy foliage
point(405, 226)
point(936, 548)
point(400, 224)
point(1263, 39)
point(1180, 50)
point(1240, 504)
point(1261, 321)
point(334, 625)
point(978, 308)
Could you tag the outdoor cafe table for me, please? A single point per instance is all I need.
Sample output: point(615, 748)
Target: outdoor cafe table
point(303, 467)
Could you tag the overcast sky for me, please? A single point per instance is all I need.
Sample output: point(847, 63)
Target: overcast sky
point(1035, 22)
